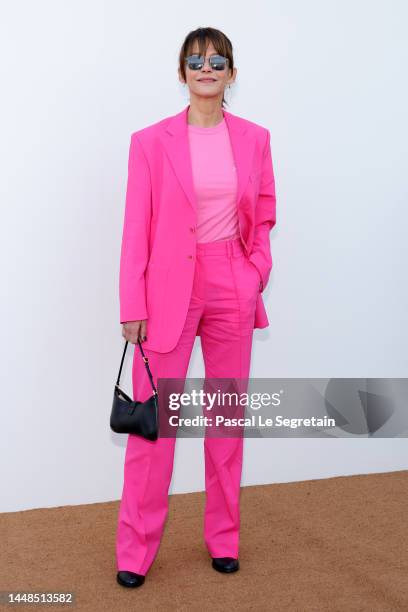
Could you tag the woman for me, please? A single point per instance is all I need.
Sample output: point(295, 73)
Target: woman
point(195, 259)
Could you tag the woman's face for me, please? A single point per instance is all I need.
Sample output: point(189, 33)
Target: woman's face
point(218, 79)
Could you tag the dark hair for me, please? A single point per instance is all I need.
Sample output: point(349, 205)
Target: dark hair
point(204, 36)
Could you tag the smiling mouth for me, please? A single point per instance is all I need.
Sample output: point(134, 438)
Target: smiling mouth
point(209, 80)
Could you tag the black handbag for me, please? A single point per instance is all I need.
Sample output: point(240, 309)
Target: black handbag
point(131, 416)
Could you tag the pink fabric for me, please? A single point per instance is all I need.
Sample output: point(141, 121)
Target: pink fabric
point(159, 240)
point(222, 305)
point(215, 182)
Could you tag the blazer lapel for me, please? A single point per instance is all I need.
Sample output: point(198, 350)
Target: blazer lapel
point(175, 141)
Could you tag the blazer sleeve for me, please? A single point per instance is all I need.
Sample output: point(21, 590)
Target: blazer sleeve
point(134, 254)
point(265, 217)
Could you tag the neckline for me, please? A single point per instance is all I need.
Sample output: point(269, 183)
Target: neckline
point(197, 129)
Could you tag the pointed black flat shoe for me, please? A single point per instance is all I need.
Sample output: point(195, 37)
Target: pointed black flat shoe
point(130, 579)
point(225, 564)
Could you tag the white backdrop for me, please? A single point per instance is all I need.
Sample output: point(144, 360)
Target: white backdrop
point(327, 79)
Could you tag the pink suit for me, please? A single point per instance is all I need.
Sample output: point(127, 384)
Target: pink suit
point(159, 242)
point(187, 288)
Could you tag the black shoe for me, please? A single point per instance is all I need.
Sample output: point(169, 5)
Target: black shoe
point(130, 579)
point(225, 564)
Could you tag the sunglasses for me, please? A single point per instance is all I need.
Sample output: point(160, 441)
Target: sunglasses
point(196, 62)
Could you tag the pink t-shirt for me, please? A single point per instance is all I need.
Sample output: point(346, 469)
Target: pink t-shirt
point(215, 182)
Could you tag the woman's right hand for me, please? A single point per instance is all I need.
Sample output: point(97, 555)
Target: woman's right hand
point(134, 330)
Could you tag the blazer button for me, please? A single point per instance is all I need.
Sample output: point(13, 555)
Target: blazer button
point(190, 256)
point(192, 229)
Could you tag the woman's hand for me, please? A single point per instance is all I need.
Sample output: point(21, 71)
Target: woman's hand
point(134, 330)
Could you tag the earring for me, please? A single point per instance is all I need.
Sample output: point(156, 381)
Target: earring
point(228, 93)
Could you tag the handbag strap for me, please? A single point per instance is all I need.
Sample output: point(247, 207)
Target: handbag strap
point(146, 362)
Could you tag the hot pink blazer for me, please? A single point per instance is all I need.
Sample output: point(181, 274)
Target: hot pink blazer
point(159, 241)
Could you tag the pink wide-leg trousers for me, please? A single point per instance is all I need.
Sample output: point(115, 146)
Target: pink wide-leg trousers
point(222, 305)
